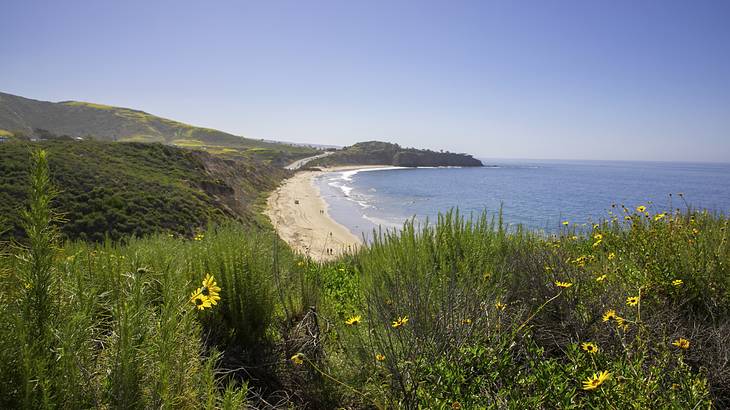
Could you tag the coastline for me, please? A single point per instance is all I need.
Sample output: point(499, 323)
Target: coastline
point(307, 226)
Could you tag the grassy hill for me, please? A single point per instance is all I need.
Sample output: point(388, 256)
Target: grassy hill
point(385, 153)
point(24, 116)
point(122, 189)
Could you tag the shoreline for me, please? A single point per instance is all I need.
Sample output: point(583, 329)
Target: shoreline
point(307, 226)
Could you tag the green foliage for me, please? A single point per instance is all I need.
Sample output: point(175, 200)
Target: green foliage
point(456, 314)
point(116, 190)
point(489, 328)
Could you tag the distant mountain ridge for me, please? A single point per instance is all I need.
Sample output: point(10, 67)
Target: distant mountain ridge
point(104, 122)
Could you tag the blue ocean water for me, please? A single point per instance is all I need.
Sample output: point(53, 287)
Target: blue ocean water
point(536, 194)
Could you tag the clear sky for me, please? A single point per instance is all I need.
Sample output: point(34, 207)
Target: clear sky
point(518, 79)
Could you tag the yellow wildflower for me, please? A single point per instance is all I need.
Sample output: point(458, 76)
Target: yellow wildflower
point(500, 306)
point(601, 278)
point(681, 343)
point(400, 322)
point(380, 357)
point(598, 237)
point(466, 322)
point(611, 256)
point(621, 322)
point(566, 223)
point(641, 209)
point(354, 320)
point(298, 359)
point(677, 282)
point(199, 300)
point(632, 300)
point(563, 285)
point(589, 347)
point(210, 289)
point(609, 314)
point(660, 216)
point(594, 382)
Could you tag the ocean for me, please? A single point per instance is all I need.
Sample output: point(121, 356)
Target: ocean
point(538, 195)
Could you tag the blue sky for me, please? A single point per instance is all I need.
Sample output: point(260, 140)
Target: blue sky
point(633, 80)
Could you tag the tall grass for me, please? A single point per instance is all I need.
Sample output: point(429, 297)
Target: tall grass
point(461, 313)
point(488, 326)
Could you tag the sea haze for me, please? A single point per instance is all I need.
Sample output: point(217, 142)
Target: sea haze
point(536, 194)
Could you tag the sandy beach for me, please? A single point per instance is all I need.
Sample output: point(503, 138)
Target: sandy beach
point(306, 226)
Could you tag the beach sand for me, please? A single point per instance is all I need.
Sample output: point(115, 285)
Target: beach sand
point(306, 226)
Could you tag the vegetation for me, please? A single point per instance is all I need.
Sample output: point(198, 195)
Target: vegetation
point(120, 189)
point(632, 313)
point(384, 153)
point(40, 119)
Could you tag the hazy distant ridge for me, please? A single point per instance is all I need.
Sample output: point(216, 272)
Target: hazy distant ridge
point(80, 119)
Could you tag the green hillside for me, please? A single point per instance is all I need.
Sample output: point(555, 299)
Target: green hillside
point(122, 189)
point(24, 116)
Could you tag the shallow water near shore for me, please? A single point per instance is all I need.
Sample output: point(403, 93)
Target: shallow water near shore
point(536, 194)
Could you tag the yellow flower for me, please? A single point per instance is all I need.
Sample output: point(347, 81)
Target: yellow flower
point(641, 209)
point(210, 289)
point(627, 218)
point(681, 343)
point(500, 306)
point(660, 216)
point(592, 383)
point(596, 243)
point(199, 300)
point(677, 282)
point(598, 236)
point(621, 322)
point(380, 357)
point(609, 314)
point(563, 285)
point(354, 320)
point(601, 278)
point(401, 321)
point(466, 322)
point(199, 237)
point(611, 256)
point(574, 237)
point(298, 359)
point(589, 347)
point(566, 223)
point(632, 300)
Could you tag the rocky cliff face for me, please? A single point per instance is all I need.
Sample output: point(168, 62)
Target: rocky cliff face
point(383, 153)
